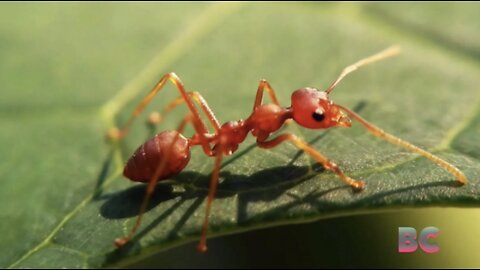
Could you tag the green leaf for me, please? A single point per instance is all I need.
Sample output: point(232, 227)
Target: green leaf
point(71, 71)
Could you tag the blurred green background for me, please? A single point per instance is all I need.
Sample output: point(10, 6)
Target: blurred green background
point(67, 71)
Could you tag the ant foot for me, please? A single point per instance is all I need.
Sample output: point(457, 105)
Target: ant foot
point(154, 118)
point(114, 134)
point(358, 185)
point(120, 242)
point(202, 248)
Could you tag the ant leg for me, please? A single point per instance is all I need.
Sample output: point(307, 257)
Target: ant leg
point(119, 242)
point(202, 245)
point(461, 178)
point(329, 165)
point(172, 77)
point(206, 109)
point(264, 86)
point(156, 117)
point(389, 52)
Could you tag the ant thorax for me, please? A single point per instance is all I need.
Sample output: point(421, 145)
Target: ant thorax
point(267, 119)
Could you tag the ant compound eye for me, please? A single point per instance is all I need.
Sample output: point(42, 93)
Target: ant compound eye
point(318, 115)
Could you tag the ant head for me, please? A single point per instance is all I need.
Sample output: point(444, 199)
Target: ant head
point(311, 108)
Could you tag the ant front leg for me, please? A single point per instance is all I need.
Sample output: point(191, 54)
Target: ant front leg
point(264, 86)
point(329, 165)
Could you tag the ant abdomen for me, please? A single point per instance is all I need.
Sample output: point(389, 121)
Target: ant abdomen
point(143, 163)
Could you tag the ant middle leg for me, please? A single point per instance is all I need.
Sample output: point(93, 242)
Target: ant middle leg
point(202, 245)
point(328, 164)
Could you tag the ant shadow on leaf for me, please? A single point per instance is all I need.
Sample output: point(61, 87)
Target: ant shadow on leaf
point(267, 185)
point(264, 185)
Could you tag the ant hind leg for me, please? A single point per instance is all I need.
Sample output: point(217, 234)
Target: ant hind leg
point(156, 117)
point(116, 133)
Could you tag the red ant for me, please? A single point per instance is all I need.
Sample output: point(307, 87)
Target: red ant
point(167, 154)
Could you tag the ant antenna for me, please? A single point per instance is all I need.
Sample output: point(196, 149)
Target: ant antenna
point(389, 52)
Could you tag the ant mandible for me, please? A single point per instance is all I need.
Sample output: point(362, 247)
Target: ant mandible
point(167, 153)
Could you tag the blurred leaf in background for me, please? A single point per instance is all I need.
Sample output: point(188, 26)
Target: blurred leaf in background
point(70, 71)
